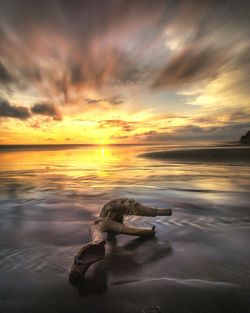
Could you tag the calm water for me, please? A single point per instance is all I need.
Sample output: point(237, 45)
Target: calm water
point(198, 262)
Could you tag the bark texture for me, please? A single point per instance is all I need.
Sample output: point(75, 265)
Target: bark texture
point(111, 220)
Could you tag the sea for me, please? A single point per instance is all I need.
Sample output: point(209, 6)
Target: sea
point(198, 262)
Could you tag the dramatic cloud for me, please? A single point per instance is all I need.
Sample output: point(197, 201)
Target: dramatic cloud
point(87, 45)
point(82, 45)
point(229, 132)
point(190, 65)
point(23, 113)
point(7, 110)
point(47, 109)
point(117, 58)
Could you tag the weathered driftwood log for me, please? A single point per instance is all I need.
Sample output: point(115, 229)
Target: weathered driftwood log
point(111, 221)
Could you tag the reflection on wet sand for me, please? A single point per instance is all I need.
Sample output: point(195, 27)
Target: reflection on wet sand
point(123, 261)
point(48, 198)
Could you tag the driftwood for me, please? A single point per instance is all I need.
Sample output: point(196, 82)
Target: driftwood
point(111, 221)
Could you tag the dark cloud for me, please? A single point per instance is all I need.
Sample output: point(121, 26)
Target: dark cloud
point(23, 113)
point(228, 132)
point(7, 110)
point(115, 100)
point(47, 109)
point(124, 125)
point(93, 101)
point(240, 115)
point(228, 116)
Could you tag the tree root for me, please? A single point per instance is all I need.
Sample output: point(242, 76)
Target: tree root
point(111, 221)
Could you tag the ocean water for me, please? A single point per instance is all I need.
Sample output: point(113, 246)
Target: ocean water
point(198, 261)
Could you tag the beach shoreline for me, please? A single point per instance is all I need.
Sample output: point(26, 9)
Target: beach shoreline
point(49, 198)
point(213, 155)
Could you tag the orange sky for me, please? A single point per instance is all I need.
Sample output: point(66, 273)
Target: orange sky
point(123, 72)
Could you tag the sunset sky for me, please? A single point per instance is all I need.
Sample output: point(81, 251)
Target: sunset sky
point(122, 71)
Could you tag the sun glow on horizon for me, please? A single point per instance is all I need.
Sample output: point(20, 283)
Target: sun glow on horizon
point(140, 75)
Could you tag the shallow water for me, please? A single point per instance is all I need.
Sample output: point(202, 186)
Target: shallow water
point(198, 262)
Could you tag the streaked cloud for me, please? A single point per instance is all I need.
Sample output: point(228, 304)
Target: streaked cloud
point(137, 70)
point(192, 64)
point(5, 76)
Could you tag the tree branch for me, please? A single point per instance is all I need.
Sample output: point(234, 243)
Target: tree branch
point(111, 221)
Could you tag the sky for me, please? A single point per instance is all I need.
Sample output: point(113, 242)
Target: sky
point(124, 71)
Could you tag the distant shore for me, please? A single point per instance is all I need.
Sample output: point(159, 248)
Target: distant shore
point(15, 147)
point(27, 147)
point(237, 154)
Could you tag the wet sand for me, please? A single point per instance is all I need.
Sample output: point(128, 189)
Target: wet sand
point(198, 261)
point(213, 155)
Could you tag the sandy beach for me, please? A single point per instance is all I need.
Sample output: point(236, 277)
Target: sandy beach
point(198, 261)
point(213, 155)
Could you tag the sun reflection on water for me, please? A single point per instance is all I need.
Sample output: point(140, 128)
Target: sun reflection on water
point(119, 169)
